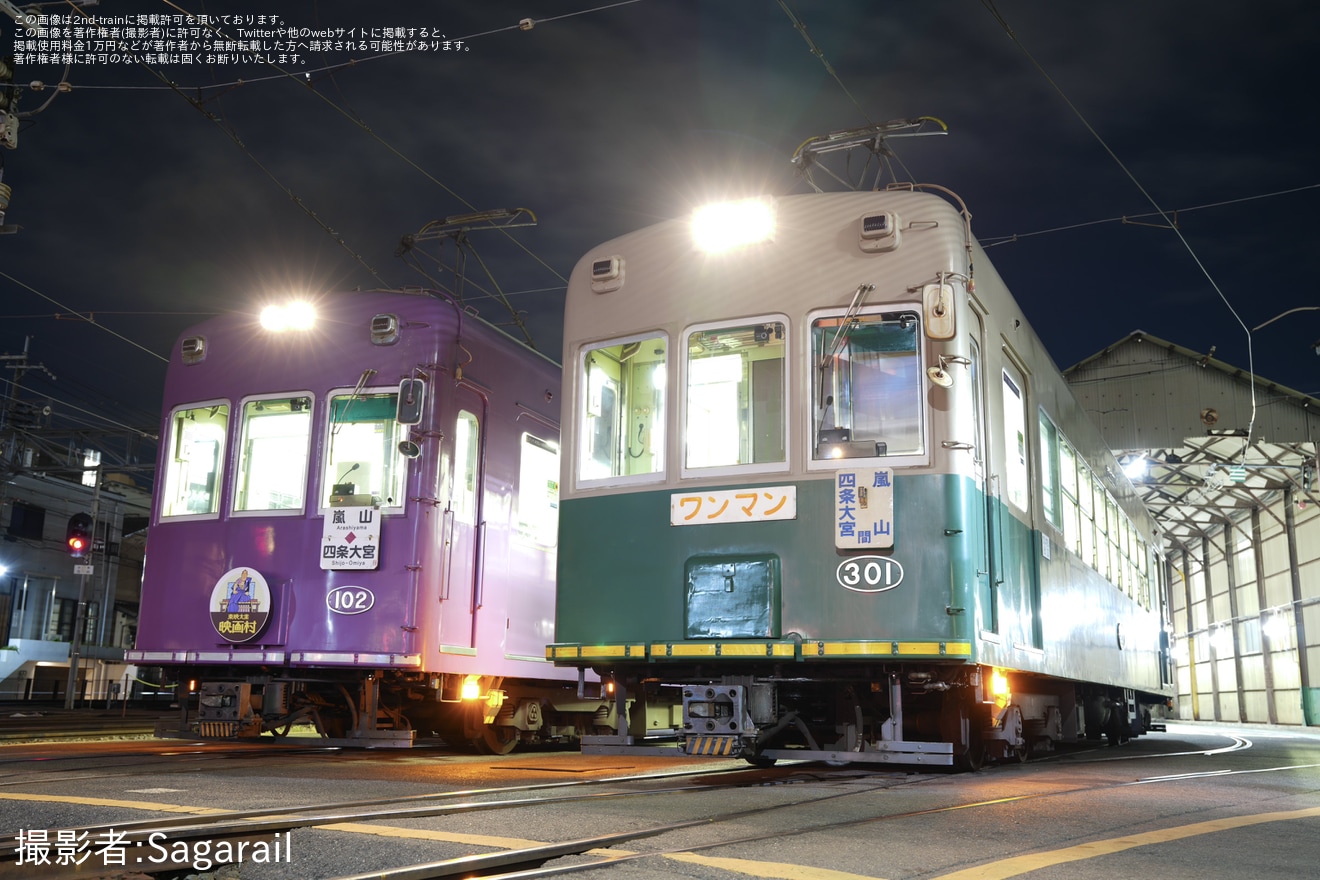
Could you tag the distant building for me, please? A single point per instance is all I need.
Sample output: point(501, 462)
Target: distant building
point(40, 588)
point(1228, 467)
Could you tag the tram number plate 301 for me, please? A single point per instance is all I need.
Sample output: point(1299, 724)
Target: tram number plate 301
point(869, 574)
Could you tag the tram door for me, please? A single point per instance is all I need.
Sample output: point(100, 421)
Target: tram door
point(988, 615)
point(1015, 558)
point(464, 523)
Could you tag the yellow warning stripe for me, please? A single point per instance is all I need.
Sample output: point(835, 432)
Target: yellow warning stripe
point(755, 650)
point(1005, 868)
point(887, 648)
point(684, 649)
point(110, 802)
point(998, 870)
point(711, 746)
point(588, 651)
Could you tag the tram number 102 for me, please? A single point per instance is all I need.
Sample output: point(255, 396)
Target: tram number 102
point(350, 600)
point(869, 574)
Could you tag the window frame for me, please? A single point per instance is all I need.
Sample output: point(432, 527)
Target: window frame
point(752, 467)
point(525, 492)
point(326, 426)
point(237, 463)
point(581, 394)
point(807, 435)
point(224, 467)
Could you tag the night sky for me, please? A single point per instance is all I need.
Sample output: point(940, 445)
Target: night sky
point(147, 213)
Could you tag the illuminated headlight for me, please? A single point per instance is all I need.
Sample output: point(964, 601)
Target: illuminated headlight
point(472, 688)
point(726, 225)
point(999, 688)
point(292, 316)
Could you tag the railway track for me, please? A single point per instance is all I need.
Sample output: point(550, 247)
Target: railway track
point(267, 831)
point(265, 827)
point(246, 831)
point(26, 722)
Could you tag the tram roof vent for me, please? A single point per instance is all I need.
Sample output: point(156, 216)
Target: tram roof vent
point(193, 349)
point(607, 274)
point(384, 329)
point(878, 232)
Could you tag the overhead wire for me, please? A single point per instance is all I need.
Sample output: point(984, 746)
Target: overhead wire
point(997, 240)
point(1003, 22)
point(89, 318)
point(816, 50)
point(305, 81)
point(233, 136)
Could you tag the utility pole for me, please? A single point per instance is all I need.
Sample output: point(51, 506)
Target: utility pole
point(80, 619)
point(8, 110)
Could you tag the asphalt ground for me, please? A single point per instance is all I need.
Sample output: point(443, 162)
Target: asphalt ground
point(1199, 800)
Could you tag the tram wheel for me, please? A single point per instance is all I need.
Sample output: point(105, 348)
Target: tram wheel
point(761, 761)
point(497, 740)
point(959, 726)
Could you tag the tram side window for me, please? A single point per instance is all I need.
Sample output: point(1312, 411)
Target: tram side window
point(621, 422)
point(1015, 441)
point(1068, 496)
point(193, 467)
point(1086, 503)
point(866, 386)
point(1051, 503)
point(363, 464)
point(467, 442)
point(735, 395)
point(272, 466)
point(538, 491)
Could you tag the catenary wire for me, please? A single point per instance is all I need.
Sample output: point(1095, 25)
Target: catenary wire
point(1250, 360)
point(997, 240)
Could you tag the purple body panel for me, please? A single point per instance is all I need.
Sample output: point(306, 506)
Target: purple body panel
point(447, 595)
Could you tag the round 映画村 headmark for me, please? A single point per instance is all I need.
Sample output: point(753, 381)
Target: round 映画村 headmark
point(240, 604)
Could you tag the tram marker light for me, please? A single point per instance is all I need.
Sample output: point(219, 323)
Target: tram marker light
point(471, 687)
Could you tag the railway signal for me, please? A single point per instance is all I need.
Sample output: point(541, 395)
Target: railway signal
point(78, 538)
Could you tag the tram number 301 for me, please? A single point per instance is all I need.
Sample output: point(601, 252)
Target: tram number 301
point(869, 574)
point(349, 600)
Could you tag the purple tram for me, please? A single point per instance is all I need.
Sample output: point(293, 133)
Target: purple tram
point(354, 530)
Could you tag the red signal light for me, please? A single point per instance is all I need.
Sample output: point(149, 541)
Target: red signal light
point(78, 538)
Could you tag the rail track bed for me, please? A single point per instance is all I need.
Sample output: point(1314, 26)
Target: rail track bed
point(396, 816)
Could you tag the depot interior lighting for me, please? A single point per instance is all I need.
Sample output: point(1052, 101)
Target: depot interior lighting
point(726, 225)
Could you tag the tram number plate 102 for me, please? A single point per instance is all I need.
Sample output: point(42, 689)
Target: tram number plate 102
point(350, 600)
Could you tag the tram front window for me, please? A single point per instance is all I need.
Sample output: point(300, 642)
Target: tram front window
point(272, 468)
point(621, 427)
point(735, 394)
point(193, 467)
point(866, 386)
point(363, 464)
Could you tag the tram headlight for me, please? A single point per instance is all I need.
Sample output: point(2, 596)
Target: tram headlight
point(999, 688)
point(472, 687)
point(726, 225)
point(297, 315)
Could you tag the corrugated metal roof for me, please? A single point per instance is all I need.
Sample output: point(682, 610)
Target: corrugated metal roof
point(1206, 450)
